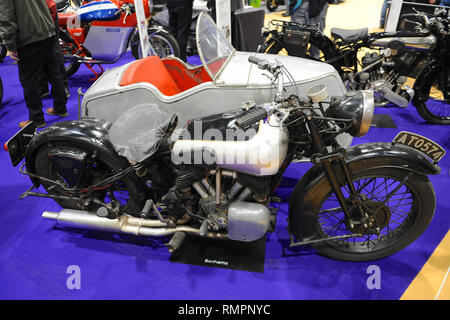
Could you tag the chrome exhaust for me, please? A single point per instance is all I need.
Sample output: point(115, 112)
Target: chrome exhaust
point(80, 219)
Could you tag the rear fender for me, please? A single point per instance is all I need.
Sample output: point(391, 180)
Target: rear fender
point(360, 157)
point(89, 132)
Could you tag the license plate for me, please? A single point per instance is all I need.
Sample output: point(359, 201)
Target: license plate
point(422, 144)
point(17, 145)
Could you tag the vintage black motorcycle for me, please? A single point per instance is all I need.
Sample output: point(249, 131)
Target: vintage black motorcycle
point(422, 54)
point(131, 176)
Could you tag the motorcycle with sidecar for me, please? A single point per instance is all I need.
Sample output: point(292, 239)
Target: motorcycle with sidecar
point(216, 177)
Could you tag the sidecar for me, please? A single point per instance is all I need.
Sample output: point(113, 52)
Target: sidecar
point(224, 81)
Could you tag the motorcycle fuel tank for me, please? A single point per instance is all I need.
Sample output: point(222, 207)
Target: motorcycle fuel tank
point(98, 11)
point(262, 154)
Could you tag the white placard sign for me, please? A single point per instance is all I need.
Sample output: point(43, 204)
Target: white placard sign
point(142, 27)
point(394, 15)
point(223, 17)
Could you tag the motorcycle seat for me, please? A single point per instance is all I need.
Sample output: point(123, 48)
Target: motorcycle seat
point(150, 70)
point(349, 36)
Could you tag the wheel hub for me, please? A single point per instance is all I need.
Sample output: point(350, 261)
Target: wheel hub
point(378, 217)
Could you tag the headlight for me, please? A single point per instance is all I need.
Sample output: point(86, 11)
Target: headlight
point(355, 105)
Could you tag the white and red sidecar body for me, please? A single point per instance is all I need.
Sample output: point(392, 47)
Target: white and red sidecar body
point(224, 81)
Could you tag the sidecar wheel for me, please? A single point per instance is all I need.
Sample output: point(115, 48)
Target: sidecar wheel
point(401, 220)
point(124, 192)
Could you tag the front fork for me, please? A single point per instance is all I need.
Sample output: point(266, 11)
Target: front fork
point(330, 161)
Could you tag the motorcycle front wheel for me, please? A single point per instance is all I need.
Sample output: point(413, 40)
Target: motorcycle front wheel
point(68, 47)
point(398, 213)
point(163, 44)
point(430, 101)
point(123, 193)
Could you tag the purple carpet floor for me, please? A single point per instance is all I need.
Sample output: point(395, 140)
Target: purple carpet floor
point(34, 255)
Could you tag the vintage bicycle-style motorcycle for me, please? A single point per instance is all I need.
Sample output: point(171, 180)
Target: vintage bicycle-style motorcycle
point(99, 32)
point(422, 54)
point(216, 177)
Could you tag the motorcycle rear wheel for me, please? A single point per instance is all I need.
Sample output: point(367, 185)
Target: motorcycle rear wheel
point(431, 104)
point(163, 43)
point(402, 219)
point(124, 192)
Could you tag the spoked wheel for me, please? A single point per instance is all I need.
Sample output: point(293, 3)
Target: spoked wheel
point(52, 161)
point(68, 48)
point(433, 103)
point(397, 214)
point(162, 43)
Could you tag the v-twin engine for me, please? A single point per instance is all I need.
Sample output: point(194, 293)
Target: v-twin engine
point(383, 76)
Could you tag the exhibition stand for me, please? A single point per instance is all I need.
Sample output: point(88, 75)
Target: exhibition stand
point(36, 257)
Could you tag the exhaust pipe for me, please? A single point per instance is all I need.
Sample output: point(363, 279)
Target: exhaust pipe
point(80, 219)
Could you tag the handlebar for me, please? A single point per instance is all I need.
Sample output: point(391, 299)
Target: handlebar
point(250, 118)
point(265, 65)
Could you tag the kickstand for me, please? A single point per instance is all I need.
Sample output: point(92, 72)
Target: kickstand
point(97, 74)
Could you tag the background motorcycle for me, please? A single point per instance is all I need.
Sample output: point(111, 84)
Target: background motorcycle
point(361, 204)
point(107, 29)
point(399, 55)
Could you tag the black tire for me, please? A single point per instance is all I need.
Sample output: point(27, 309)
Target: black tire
point(67, 47)
point(392, 237)
point(103, 165)
point(433, 110)
point(271, 5)
point(163, 43)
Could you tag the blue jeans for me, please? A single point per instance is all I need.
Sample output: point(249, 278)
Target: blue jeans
point(383, 12)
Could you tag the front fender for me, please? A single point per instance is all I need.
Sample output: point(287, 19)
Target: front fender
point(427, 75)
point(88, 131)
point(302, 215)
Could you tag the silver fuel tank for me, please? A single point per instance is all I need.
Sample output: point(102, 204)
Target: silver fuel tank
point(261, 155)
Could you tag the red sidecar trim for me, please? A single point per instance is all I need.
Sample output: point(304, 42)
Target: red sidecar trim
point(151, 70)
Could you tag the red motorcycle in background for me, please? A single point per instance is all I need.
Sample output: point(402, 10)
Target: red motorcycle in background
point(100, 31)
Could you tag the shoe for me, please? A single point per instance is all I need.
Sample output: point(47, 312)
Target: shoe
point(36, 124)
point(52, 112)
point(286, 14)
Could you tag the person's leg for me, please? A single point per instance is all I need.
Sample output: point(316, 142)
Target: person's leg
point(184, 18)
point(30, 68)
point(301, 14)
point(383, 13)
point(53, 70)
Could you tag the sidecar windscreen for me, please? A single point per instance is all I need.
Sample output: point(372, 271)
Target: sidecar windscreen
point(138, 132)
point(213, 47)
